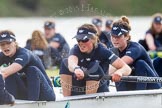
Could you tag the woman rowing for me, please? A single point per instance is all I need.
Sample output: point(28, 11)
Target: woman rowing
point(153, 37)
point(103, 36)
point(24, 73)
point(56, 40)
point(108, 26)
point(132, 54)
point(89, 57)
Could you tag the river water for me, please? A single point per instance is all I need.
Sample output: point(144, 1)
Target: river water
point(23, 27)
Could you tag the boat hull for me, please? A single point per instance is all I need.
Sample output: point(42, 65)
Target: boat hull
point(128, 99)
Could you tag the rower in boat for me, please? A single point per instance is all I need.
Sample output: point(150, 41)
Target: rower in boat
point(108, 25)
point(153, 37)
point(133, 54)
point(39, 46)
point(5, 96)
point(89, 57)
point(56, 40)
point(24, 74)
point(102, 35)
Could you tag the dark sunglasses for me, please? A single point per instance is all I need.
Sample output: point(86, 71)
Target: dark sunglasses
point(84, 41)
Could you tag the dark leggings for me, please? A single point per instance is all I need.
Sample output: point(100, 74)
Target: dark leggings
point(5, 97)
point(157, 62)
point(32, 86)
point(141, 68)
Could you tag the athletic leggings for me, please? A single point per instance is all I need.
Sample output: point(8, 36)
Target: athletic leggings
point(5, 96)
point(31, 86)
point(141, 68)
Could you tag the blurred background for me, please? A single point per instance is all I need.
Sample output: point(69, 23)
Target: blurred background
point(25, 16)
point(26, 8)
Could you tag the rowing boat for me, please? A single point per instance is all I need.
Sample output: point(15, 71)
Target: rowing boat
point(125, 99)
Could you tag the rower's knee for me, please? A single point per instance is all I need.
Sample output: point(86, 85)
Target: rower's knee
point(5, 97)
point(140, 64)
point(92, 87)
point(66, 78)
point(33, 72)
point(33, 69)
point(66, 84)
point(143, 69)
point(140, 68)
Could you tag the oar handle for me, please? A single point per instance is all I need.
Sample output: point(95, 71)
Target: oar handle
point(139, 79)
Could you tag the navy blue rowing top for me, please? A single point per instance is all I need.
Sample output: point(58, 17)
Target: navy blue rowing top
point(105, 38)
point(101, 54)
point(136, 52)
point(25, 58)
point(157, 38)
point(60, 39)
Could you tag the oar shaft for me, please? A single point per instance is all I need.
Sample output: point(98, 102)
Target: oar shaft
point(140, 79)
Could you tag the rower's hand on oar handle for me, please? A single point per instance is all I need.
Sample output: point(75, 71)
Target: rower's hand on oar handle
point(116, 77)
point(79, 74)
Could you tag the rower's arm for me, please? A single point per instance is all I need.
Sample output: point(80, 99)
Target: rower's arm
point(150, 42)
point(111, 69)
point(13, 68)
point(72, 62)
point(127, 59)
point(121, 67)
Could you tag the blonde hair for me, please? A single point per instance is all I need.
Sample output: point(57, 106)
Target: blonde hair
point(124, 23)
point(38, 41)
point(94, 38)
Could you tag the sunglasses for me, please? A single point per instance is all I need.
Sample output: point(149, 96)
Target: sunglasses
point(83, 41)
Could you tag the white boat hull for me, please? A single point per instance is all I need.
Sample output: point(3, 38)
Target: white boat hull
point(128, 99)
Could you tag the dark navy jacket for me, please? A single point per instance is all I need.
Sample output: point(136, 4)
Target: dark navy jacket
point(64, 47)
point(101, 54)
point(157, 38)
point(136, 52)
point(105, 38)
point(49, 57)
point(25, 58)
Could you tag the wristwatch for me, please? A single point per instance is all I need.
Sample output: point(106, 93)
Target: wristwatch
point(77, 67)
